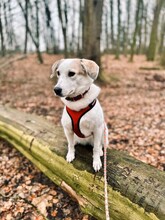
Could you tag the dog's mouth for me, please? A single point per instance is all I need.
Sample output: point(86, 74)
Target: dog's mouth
point(71, 93)
point(59, 92)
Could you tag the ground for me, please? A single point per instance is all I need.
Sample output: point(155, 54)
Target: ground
point(133, 104)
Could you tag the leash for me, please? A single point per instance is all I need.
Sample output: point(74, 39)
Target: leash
point(105, 176)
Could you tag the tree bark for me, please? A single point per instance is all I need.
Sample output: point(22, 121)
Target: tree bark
point(79, 40)
point(153, 37)
point(118, 30)
point(64, 25)
point(162, 35)
point(145, 27)
point(26, 26)
point(107, 35)
point(92, 30)
point(139, 2)
point(2, 34)
point(38, 33)
point(136, 190)
point(35, 41)
point(112, 24)
point(50, 39)
point(127, 31)
point(140, 29)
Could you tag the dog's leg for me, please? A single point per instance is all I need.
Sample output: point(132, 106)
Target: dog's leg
point(97, 150)
point(71, 150)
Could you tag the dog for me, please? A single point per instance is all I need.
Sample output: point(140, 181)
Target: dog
point(82, 117)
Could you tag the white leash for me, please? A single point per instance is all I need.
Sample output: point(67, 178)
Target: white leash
point(105, 176)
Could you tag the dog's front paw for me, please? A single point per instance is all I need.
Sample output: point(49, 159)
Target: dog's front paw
point(97, 164)
point(70, 156)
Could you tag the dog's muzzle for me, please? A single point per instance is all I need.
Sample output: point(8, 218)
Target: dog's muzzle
point(58, 91)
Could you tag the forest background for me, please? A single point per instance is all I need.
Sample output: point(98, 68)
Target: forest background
point(83, 28)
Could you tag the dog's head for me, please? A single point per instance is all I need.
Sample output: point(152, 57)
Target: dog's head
point(74, 76)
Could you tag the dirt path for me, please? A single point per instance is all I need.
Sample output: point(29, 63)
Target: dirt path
point(133, 103)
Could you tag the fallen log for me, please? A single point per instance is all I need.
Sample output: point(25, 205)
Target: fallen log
point(136, 190)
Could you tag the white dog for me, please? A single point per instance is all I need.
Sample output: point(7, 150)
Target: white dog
point(82, 118)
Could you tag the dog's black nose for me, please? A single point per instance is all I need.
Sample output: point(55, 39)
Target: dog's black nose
point(58, 91)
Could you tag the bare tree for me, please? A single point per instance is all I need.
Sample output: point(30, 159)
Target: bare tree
point(139, 2)
point(64, 22)
point(154, 36)
point(12, 37)
point(140, 29)
point(79, 44)
point(38, 33)
point(118, 30)
point(112, 24)
point(92, 29)
point(162, 35)
point(49, 30)
point(35, 40)
point(26, 26)
point(1, 33)
point(127, 28)
point(81, 27)
point(145, 27)
point(107, 35)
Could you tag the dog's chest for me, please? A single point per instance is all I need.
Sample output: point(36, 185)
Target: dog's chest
point(82, 125)
point(86, 123)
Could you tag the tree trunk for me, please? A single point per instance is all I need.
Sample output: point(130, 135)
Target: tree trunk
point(73, 42)
point(13, 40)
point(92, 30)
point(6, 25)
point(136, 190)
point(145, 27)
point(153, 37)
point(38, 33)
point(50, 38)
point(112, 26)
point(1, 34)
point(79, 40)
point(136, 29)
point(64, 25)
point(127, 27)
point(118, 30)
point(26, 26)
point(162, 35)
point(106, 32)
point(140, 29)
point(35, 41)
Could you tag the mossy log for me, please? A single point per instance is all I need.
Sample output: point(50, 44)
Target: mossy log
point(136, 190)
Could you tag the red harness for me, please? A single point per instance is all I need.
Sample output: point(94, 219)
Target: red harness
point(76, 116)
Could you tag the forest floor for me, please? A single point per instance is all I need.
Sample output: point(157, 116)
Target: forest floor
point(133, 103)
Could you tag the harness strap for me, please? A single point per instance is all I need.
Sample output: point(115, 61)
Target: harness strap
point(77, 115)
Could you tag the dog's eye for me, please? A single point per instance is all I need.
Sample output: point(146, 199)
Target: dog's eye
point(70, 74)
point(58, 73)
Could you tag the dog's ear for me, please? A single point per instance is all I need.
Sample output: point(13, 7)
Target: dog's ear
point(54, 67)
point(90, 67)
